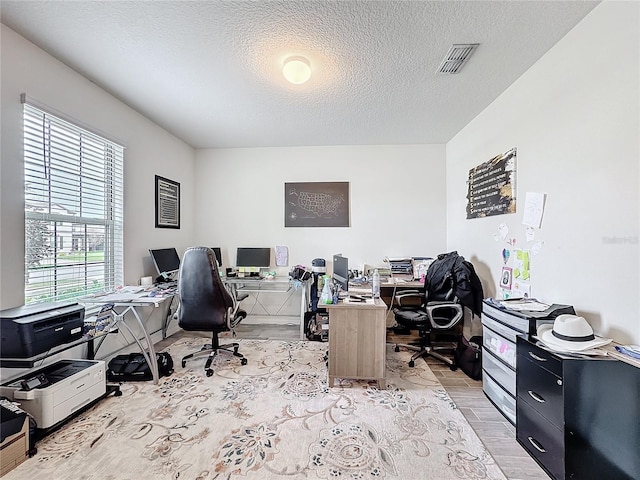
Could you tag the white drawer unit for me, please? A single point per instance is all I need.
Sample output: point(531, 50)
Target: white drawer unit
point(500, 330)
point(500, 398)
point(503, 348)
point(499, 372)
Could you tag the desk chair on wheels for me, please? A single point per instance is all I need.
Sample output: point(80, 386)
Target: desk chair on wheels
point(429, 319)
point(206, 305)
point(451, 284)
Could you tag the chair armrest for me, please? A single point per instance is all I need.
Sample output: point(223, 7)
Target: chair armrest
point(241, 296)
point(413, 297)
point(433, 307)
point(233, 318)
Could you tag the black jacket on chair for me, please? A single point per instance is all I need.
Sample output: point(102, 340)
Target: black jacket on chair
point(450, 285)
point(205, 304)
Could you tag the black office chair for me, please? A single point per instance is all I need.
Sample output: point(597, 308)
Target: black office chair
point(451, 284)
point(206, 305)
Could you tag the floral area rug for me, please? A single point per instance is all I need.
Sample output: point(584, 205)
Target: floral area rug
point(274, 418)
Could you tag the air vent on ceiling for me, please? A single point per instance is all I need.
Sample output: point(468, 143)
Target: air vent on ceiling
point(456, 57)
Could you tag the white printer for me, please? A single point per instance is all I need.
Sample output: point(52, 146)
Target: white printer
point(55, 392)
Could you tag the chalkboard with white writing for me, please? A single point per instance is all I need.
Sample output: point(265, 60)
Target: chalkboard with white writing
point(492, 187)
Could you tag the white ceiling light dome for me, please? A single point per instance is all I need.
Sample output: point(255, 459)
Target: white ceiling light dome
point(296, 69)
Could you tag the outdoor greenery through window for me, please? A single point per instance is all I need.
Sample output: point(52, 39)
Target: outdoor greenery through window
point(73, 209)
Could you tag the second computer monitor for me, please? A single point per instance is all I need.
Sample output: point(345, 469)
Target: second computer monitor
point(218, 254)
point(341, 271)
point(166, 261)
point(252, 257)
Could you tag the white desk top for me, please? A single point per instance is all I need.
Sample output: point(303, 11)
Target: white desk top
point(130, 295)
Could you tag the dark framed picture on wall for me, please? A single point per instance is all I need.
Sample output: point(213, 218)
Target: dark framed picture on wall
point(316, 204)
point(167, 203)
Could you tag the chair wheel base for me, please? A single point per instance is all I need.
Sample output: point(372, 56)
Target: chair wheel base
point(209, 372)
point(453, 367)
point(243, 361)
point(412, 363)
point(397, 349)
point(184, 364)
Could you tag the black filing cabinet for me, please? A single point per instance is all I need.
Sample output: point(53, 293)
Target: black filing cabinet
point(579, 418)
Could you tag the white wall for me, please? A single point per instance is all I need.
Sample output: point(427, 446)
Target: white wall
point(397, 196)
point(150, 151)
point(574, 117)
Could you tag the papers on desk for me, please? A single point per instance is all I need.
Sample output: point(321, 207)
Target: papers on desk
point(631, 350)
point(359, 290)
point(123, 294)
point(617, 352)
point(367, 301)
point(591, 352)
point(120, 297)
point(129, 294)
point(130, 289)
point(530, 305)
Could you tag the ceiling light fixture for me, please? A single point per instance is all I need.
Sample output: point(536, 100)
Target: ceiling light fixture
point(296, 70)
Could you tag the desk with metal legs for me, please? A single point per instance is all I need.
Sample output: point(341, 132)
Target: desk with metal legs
point(124, 304)
point(239, 285)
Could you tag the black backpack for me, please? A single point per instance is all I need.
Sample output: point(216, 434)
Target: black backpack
point(134, 367)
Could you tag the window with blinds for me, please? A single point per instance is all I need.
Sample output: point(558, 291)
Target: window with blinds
point(73, 209)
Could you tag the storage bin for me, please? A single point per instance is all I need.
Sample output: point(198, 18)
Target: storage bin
point(500, 398)
point(501, 347)
point(14, 448)
point(499, 372)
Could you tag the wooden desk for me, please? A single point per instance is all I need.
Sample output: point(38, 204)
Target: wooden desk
point(388, 288)
point(391, 283)
point(357, 341)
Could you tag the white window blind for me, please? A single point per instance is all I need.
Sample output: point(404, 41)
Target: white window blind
point(73, 209)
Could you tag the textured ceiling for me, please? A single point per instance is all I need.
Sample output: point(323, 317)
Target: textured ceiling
point(210, 71)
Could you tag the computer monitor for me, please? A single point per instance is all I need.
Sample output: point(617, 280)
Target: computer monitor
point(341, 271)
point(166, 261)
point(218, 253)
point(252, 257)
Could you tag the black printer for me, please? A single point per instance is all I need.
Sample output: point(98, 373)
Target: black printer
point(31, 330)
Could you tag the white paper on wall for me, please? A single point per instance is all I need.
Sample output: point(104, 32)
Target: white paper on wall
point(535, 249)
point(282, 256)
point(521, 290)
point(503, 231)
point(533, 209)
point(530, 233)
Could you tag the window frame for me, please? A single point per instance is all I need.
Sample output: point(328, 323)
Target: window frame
point(73, 187)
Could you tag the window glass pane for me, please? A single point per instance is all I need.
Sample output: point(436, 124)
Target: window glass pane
point(73, 210)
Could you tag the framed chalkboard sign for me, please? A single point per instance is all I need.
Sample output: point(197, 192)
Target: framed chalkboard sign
point(316, 204)
point(492, 187)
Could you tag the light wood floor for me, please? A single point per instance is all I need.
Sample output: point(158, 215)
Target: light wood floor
point(494, 430)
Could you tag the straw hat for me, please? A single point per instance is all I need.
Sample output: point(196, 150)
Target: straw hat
point(570, 333)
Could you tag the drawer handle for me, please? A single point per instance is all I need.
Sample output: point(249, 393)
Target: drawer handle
point(536, 357)
point(536, 445)
point(535, 396)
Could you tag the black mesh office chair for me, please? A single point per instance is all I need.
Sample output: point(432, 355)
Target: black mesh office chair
point(451, 284)
point(205, 304)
